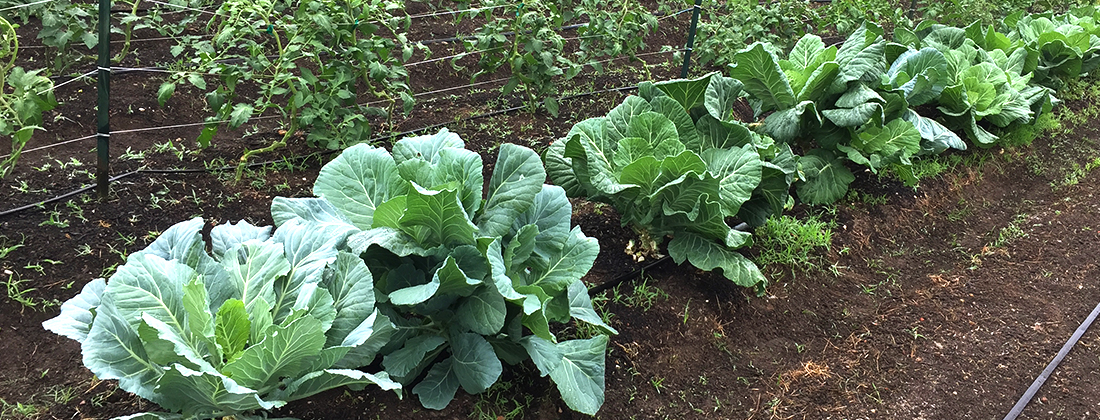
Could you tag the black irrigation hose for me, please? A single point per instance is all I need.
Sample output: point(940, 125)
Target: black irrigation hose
point(316, 154)
point(602, 287)
point(1030, 393)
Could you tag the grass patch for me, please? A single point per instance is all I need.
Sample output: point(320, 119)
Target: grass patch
point(791, 242)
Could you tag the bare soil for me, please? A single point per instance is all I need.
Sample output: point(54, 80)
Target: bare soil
point(943, 302)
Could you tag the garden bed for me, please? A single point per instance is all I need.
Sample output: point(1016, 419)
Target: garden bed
point(944, 301)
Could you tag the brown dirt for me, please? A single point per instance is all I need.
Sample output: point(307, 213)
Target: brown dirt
point(914, 313)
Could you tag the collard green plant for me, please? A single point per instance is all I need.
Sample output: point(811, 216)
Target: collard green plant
point(258, 321)
point(472, 274)
point(675, 163)
point(1063, 46)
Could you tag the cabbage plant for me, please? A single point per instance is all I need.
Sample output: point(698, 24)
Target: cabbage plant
point(674, 163)
point(258, 321)
point(473, 274)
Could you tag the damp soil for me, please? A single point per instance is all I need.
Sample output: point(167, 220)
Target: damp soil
point(940, 302)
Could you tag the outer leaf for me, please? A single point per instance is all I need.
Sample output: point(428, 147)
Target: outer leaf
point(580, 376)
point(517, 177)
point(405, 360)
point(708, 255)
point(426, 147)
point(439, 387)
point(544, 353)
point(550, 213)
point(559, 169)
point(327, 379)
point(206, 393)
point(721, 95)
point(358, 180)
point(315, 210)
point(935, 137)
point(476, 365)
point(826, 178)
point(253, 268)
point(758, 70)
point(688, 92)
point(76, 314)
point(352, 288)
point(224, 237)
point(580, 307)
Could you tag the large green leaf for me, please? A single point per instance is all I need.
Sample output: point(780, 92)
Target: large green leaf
point(580, 307)
point(76, 315)
point(617, 123)
point(437, 218)
point(517, 177)
point(935, 138)
point(708, 255)
point(550, 212)
point(426, 147)
point(826, 178)
point(738, 171)
point(309, 249)
point(280, 354)
point(721, 96)
point(404, 361)
point(676, 113)
point(225, 236)
point(559, 169)
point(475, 364)
point(688, 92)
point(563, 268)
point(758, 71)
point(319, 381)
point(204, 393)
point(253, 268)
point(787, 124)
point(439, 387)
point(358, 180)
point(311, 209)
point(352, 288)
point(483, 311)
point(580, 376)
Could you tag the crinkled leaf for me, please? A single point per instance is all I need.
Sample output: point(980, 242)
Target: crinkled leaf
point(517, 177)
point(358, 180)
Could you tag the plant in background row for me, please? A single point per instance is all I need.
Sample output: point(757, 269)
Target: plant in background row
point(674, 162)
point(317, 63)
point(526, 37)
point(22, 106)
point(472, 278)
point(860, 102)
point(258, 321)
point(727, 27)
point(1060, 46)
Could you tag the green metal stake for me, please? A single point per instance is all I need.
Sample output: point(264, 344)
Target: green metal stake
point(691, 38)
point(103, 119)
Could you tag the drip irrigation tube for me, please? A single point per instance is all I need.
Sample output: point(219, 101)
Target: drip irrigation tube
point(600, 288)
point(316, 154)
point(1038, 383)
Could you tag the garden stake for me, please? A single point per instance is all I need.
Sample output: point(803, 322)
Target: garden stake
point(691, 38)
point(103, 119)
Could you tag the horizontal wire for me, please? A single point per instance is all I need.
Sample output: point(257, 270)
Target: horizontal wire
point(20, 6)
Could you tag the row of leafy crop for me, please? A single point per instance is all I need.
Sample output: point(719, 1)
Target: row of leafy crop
point(728, 26)
point(399, 259)
point(675, 160)
point(410, 261)
point(321, 64)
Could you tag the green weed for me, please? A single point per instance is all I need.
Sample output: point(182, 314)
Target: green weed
point(791, 242)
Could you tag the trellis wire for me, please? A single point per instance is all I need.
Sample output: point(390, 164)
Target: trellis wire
point(24, 5)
